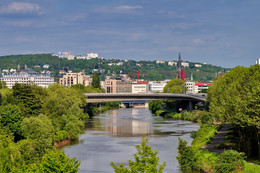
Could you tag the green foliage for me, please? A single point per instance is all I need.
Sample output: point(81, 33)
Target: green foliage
point(57, 161)
point(145, 160)
point(159, 112)
point(155, 105)
point(187, 156)
point(40, 131)
point(96, 81)
point(27, 97)
point(229, 160)
point(150, 68)
point(175, 86)
point(11, 117)
point(61, 135)
point(2, 85)
point(235, 97)
point(204, 135)
point(72, 125)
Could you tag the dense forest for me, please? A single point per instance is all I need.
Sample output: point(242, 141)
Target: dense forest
point(150, 69)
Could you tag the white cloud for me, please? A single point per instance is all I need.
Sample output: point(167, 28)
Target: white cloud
point(198, 42)
point(119, 9)
point(126, 7)
point(21, 8)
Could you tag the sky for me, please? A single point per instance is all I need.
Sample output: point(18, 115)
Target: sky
point(219, 32)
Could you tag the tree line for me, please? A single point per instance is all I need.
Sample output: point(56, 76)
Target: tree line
point(151, 69)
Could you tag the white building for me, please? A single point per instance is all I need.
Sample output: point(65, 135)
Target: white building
point(92, 55)
point(12, 70)
point(258, 61)
point(45, 66)
point(139, 87)
point(160, 62)
point(197, 65)
point(70, 57)
point(191, 87)
point(157, 86)
point(172, 63)
point(80, 57)
point(185, 64)
point(63, 54)
point(29, 79)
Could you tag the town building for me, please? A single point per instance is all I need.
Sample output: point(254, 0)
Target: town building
point(140, 87)
point(157, 86)
point(185, 64)
point(258, 61)
point(46, 66)
point(198, 65)
point(191, 87)
point(28, 77)
point(160, 62)
point(75, 78)
point(172, 63)
point(118, 84)
point(92, 55)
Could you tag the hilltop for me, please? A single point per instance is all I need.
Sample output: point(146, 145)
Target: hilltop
point(152, 69)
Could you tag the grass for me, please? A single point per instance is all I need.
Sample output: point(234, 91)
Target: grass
point(251, 168)
point(204, 135)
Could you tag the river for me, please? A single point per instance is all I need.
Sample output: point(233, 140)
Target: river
point(112, 136)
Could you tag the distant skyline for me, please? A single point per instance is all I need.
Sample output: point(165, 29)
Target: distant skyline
point(223, 33)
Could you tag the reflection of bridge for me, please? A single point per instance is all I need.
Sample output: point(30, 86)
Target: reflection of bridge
point(106, 97)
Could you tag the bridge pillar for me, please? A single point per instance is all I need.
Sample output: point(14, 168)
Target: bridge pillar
point(190, 106)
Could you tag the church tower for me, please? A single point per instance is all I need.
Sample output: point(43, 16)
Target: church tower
point(180, 70)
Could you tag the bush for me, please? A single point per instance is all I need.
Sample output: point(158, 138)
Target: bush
point(61, 135)
point(204, 135)
point(159, 112)
point(145, 160)
point(155, 105)
point(229, 160)
point(206, 118)
point(187, 156)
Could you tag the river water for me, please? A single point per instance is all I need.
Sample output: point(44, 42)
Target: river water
point(112, 136)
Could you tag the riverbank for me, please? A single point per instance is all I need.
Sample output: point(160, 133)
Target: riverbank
point(204, 156)
point(211, 148)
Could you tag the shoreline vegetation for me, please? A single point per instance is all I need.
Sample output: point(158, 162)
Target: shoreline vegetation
point(233, 99)
point(193, 158)
point(36, 121)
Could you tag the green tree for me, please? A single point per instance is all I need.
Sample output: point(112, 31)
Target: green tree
point(155, 105)
point(146, 160)
point(27, 99)
point(235, 99)
point(96, 81)
point(56, 161)
point(11, 117)
point(40, 131)
point(175, 86)
point(2, 85)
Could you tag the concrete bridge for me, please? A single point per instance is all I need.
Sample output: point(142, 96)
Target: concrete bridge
point(191, 99)
point(107, 97)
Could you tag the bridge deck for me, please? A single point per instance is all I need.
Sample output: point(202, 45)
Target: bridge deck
point(105, 97)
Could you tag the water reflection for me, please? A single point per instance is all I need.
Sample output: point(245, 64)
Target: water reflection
point(130, 125)
point(112, 136)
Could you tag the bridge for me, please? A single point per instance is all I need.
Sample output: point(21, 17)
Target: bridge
point(107, 97)
point(191, 99)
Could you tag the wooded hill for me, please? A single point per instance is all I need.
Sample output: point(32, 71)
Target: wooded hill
point(151, 69)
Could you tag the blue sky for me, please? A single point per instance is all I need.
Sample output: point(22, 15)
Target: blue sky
point(222, 32)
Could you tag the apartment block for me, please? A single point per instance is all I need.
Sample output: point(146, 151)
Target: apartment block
point(75, 78)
